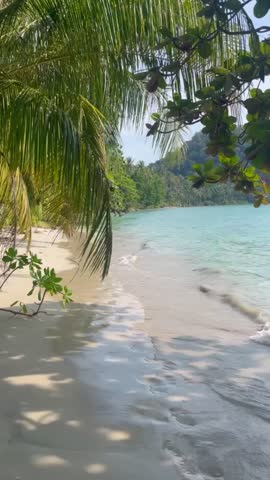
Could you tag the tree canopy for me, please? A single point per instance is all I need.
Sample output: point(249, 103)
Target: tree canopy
point(69, 74)
point(224, 83)
point(165, 183)
point(65, 88)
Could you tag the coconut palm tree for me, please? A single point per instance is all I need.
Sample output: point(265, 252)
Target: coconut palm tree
point(65, 87)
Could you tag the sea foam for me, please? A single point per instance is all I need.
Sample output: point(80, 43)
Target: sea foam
point(263, 335)
point(128, 260)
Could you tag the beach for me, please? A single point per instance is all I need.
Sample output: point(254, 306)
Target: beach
point(60, 417)
point(146, 376)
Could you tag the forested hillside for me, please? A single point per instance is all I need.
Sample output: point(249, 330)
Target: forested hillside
point(165, 182)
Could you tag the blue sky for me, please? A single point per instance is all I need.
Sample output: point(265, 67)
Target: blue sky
point(137, 146)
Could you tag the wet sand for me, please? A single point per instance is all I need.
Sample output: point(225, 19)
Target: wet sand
point(209, 378)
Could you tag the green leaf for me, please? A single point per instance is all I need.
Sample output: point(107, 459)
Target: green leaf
point(206, 92)
point(177, 97)
point(205, 49)
point(207, 12)
point(252, 105)
point(162, 82)
point(220, 70)
point(197, 167)
point(208, 165)
point(199, 183)
point(261, 8)
point(24, 308)
point(153, 82)
point(228, 84)
point(152, 128)
point(171, 68)
point(155, 117)
point(254, 92)
point(165, 32)
point(140, 75)
point(229, 161)
point(259, 130)
point(227, 150)
point(234, 5)
point(14, 303)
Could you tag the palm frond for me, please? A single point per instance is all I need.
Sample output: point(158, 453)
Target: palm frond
point(64, 62)
point(14, 203)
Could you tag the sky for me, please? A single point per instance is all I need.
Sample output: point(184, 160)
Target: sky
point(137, 146)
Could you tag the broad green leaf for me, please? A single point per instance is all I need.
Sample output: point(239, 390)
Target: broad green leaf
point(197, 167)
point(205, 49)
point(228, 84)
point(209, 164)
point(234, 5)
point(162, 82)
point(171, 68)
point(252, 105)
point(261, 8)
point(140, 75)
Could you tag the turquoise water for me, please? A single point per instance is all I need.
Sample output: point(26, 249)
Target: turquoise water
point(231, 242)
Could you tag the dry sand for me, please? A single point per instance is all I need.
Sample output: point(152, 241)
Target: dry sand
point(62, 421)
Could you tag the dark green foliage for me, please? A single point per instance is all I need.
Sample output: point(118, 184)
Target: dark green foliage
point(124, 194)
point(165, 182)
point(225, 84)
point(150, 185)
point(175, 169)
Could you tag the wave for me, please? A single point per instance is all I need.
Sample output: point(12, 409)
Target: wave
point(128, 260)
point(236, 303)
point(263, 335)
point(208, 270)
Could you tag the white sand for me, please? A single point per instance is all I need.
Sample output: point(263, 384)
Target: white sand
point(53, 426)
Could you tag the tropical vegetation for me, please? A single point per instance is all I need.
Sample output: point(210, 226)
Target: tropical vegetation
point(166, 182)
point(65, 90)
point(73, 72)
point(216, 93)
point(44, 281)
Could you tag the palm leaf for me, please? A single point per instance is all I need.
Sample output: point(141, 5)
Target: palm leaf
point(63, 62)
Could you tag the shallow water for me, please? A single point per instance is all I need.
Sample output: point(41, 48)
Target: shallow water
point(172, 355)
point(227, 246)
point(203, 277)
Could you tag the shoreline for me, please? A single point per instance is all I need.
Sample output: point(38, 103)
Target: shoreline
point(125, 385)
point(169, 207)
point(209, 380)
